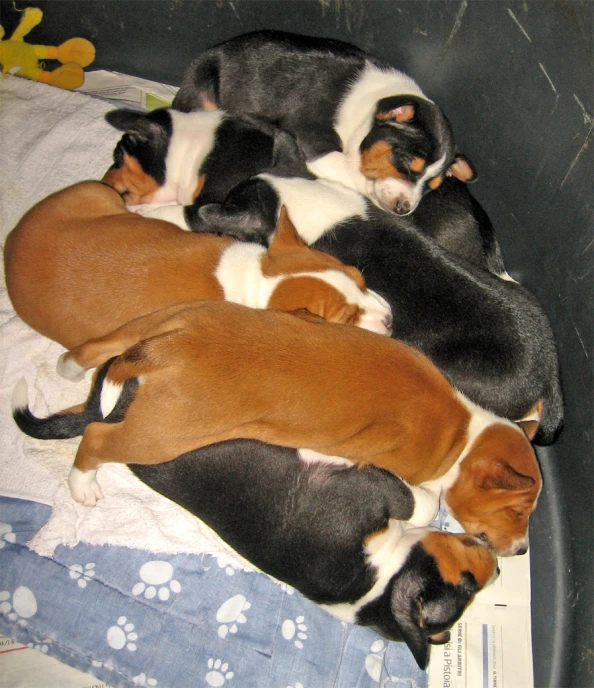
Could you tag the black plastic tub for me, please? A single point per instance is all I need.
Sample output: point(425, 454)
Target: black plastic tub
point(515, 79)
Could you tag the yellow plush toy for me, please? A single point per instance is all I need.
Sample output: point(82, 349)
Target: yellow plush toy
point(18, 57)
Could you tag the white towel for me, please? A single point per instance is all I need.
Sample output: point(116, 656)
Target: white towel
point(51, 138)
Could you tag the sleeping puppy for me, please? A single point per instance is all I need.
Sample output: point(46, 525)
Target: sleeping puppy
point(359, 121)
point(343, 536)
point(79, 264)
point(200, 373)
point(191, 159)
point(486, 333)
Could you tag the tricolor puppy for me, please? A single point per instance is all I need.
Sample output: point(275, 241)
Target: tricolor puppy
point(196, 374)
point(359, 121)
point(79, 264)
point(488, 335)
point(343, 536)
point(191, 159)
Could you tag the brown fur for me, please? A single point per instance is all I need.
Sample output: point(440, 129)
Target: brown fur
point(457, 554)
point(79, 264)
point(212, 372)
point(376, 164)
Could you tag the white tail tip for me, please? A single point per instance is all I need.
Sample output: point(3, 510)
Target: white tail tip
point(20, 395)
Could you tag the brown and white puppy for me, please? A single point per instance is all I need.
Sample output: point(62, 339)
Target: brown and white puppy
point(79, 264)
point(201, 373)
point(352, 539)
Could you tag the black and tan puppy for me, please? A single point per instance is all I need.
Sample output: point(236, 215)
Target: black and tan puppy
point(489, 335)
point(343, 536)
point(359, 121)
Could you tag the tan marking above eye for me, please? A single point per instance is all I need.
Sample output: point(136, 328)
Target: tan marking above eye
point(417, 164)
point(375, 162)
point(455, 553)
point(435, 182)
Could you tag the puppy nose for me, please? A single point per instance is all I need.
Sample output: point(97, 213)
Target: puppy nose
point(402, 206)
point(522, 550)
point(388, 322)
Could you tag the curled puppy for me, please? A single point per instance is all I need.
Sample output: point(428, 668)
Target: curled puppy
point(79, 264)
point(359, 121)
point(196, 374)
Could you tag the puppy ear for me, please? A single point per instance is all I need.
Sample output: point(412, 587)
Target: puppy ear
point(402, 113)
point(413, 634)
point(499, 475)
point(285, 235)
point(124, 120)
point(462, 169)
point(531, 421)
point(230, 220)
point(287, 157)
point(140, 126)
point(407, 610)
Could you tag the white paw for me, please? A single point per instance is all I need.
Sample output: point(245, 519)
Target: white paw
point(84, 488)
point(67, 367)
point(426, 496)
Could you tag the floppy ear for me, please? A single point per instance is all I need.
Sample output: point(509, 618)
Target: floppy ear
point(285, 235)
point(129, 121)
point(287, 157)
point(462, 169)
point(230, 220)
point(531, 421)
point(499, 475)
point(401, 113)
point(407, 609)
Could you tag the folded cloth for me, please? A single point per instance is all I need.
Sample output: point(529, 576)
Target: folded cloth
point(52, 138)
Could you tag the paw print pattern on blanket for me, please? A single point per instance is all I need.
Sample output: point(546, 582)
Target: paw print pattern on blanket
point(156, 581)
point(82, 575)
point(227, 563)
point(143, 680)
point(23, 606)
point(122, 635)
point(43, 646)
point(6, 534)
point(230, 614)
point(375, 660)
point(295, 629)
point(218, 673)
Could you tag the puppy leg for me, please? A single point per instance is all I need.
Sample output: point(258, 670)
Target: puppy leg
point(426, 502)
point(84, 487)
point(73, 364)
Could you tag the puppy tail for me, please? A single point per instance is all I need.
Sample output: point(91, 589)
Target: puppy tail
point(551, 422)
point(73, 421)
point(58, 426)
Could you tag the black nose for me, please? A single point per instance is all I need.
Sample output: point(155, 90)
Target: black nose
point(402, 207)
point(388, 322)
point(522, 550)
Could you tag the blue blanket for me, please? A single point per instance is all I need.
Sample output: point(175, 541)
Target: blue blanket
point(134, 618)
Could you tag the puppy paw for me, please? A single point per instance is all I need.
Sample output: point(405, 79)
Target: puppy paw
point(67, 367)
point(84, 487)
point(426, 497)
